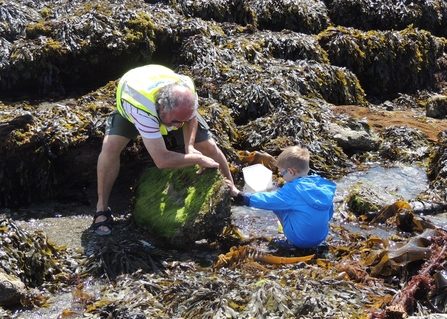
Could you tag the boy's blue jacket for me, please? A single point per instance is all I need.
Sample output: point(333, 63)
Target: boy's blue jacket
point(304, 205)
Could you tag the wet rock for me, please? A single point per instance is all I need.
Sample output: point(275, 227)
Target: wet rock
point(437, 106)
point(181, 206)
point(366, 198)
point(12, 289)
point(350, 139)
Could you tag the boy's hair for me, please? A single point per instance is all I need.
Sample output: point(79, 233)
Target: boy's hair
point(296, 157)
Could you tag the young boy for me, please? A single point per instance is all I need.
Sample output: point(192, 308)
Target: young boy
point(303, 205)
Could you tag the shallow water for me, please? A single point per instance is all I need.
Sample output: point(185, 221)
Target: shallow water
point(406, 181)
point(65, 305)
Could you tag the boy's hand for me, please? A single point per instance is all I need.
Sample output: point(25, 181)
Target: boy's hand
point(233, 189)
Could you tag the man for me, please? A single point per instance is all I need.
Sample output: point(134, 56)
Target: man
point(153, 101)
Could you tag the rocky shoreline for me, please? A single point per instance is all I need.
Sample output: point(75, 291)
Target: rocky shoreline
point(357, 82)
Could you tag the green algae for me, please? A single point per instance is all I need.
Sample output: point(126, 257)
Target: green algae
point(167, 199)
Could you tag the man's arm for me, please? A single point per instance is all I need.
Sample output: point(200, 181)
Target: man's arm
point(163, 158)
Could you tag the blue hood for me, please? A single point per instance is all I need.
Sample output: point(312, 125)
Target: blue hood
point(316, 191)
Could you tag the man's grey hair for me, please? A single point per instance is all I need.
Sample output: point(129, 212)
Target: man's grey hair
point(167, 100)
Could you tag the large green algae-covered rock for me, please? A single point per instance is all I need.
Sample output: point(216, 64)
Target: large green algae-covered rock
point(182, 206)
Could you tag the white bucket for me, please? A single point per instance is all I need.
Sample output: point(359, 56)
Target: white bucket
point(258, 178)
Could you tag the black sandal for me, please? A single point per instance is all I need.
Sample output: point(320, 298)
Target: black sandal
point(106, 223)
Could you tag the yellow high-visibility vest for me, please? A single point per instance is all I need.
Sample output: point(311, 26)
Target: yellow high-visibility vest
point(139, 87)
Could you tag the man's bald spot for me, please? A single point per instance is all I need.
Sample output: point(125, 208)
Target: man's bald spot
point(183, 98)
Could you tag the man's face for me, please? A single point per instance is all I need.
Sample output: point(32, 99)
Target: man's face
point(177, 116)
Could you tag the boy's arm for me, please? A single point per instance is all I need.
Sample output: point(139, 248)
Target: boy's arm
point(242, 198)
point(274, 200)
point(238, 196)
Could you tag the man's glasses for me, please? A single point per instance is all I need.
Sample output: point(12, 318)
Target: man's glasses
point(284, 172)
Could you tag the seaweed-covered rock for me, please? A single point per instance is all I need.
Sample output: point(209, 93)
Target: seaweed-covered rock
point(11, 290)
point(262, 87)
point(437, 168)
point(404, 144)
point(386, 62)
point(52, 133)
point(30, 257)
point(221, 123)
point(304, 124)
point(47, 46)
point(181, 206)
point(247, 78)
point(298, 15)
point(390, 15)
point(437, 106)
point(306, 16)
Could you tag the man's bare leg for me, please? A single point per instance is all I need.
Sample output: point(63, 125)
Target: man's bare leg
point(107, 171)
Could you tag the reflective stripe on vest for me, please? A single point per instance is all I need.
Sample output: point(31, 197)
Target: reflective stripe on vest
point(139, 95)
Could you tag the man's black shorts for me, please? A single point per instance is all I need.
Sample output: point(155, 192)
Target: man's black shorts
point(116, 124)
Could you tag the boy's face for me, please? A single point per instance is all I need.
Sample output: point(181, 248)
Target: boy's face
point(287, 173)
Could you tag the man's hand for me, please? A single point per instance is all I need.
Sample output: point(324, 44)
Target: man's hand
point(206, 162)
point(190, 149)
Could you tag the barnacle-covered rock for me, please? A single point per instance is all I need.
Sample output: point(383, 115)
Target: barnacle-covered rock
point(181, 206)
point(386, 62)
point(356, 138)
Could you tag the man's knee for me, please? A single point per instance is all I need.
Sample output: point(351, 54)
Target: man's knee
point(207, 147)
point(113, 145)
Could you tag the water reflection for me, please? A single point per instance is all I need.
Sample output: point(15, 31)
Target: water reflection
point(406, 181)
